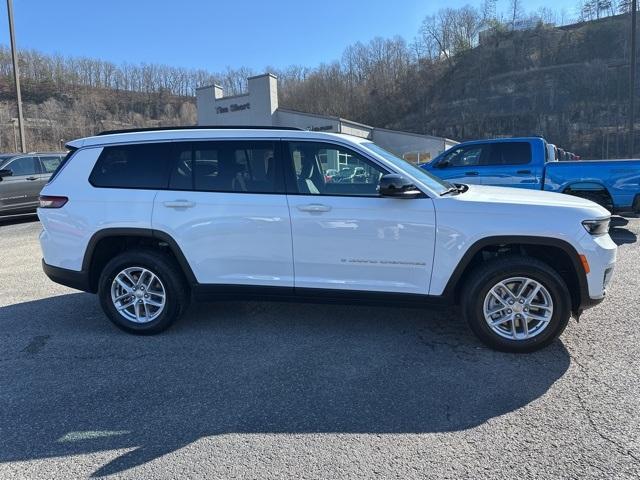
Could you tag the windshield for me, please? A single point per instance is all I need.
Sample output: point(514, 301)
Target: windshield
point(436, 184)
point(5, 157)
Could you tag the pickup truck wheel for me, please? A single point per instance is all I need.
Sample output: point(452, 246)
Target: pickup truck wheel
point(601, 197)
point(142, 291)
point(516, 304)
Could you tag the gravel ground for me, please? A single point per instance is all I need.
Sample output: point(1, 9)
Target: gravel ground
point(278, 390)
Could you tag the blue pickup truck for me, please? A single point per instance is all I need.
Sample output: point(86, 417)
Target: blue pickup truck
point(529, 163)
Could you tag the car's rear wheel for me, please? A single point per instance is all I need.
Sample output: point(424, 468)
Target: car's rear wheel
point(142, 291)
point(601, 197)
point(516, 304)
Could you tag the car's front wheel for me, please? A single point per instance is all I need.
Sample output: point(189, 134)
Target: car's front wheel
point(142, 291)
point(516, 304)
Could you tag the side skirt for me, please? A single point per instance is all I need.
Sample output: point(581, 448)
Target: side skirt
point(214, 292)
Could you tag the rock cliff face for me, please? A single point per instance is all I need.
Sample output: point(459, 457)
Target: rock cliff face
point(569, 84)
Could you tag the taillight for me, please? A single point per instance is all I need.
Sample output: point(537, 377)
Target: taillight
point(47, 201)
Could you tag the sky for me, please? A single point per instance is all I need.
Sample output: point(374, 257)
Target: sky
point(213, 35)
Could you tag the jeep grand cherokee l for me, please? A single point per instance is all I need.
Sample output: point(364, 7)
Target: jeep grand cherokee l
point(151, 219)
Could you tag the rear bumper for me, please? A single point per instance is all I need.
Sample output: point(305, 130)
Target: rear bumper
point(69, 278)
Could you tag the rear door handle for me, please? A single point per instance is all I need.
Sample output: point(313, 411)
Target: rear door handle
point(523, 172)
point(31, 179)
point(314, 208)
point(179, 204)
point(471, 174)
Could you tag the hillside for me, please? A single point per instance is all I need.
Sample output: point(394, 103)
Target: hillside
point(57, 113)
point(568, 84)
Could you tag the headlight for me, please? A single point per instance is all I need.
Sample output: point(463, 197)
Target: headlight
point(597, 227)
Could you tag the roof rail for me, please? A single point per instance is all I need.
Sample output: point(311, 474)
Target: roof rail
point(197, 127)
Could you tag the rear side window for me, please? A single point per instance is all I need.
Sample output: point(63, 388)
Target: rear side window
point(510, 153)
point(227, 166)
point(50, 162)
point(144, 166)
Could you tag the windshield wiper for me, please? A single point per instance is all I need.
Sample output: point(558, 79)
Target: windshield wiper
point(450, 190)
point(455, 189)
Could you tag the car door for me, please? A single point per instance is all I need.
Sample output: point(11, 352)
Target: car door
point(226, 208)
point(19, 191)
point(462, 164)
point(346, 236)
point(510, 165)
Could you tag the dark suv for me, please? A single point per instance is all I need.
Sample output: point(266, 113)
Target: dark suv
point(22, 176)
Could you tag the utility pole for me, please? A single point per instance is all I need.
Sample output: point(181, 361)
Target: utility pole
point(632, 79)
point(16, 75)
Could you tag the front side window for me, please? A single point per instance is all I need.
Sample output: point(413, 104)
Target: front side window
point(227, 166)
point(143, 166)
point(23, 166)
point(326, 169)
point(433, 182)
point(470, 156)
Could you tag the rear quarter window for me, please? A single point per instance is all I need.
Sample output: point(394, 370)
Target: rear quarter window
point(50, 162)
point(144, 166)
point(61, 165)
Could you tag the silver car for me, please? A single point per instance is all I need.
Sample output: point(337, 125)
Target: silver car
point(22, 176)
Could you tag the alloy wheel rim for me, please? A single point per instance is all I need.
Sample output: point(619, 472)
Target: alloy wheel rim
point(138, 294)
point(518, 308)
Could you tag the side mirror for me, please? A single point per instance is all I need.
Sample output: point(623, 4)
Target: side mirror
point(394, 185)
point(5, 172)
point(443, 164)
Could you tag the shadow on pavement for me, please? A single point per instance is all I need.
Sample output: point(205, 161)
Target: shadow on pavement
point(618, 221)
point(73, 384)
point(619, 234)
point(18, 219)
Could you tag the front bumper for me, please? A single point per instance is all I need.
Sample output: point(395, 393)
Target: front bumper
point(601, 253)
point(69, 278)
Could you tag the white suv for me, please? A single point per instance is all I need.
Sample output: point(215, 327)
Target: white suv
point(150, 219)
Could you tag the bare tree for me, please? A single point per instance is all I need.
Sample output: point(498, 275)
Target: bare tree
point(489, 13)
point(436, 36)
point(624, 6)
point(516, 13)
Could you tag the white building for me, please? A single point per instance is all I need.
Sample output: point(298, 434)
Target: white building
point(259, 107)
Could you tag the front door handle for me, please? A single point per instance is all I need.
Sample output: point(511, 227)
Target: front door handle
point(179, 204)
point(31, 179)
point(523, 172)
point(314, 208)
point(471, 174)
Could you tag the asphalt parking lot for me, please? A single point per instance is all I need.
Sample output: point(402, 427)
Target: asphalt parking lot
point(278, 390)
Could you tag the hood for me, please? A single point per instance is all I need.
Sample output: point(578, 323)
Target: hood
point(536, 198)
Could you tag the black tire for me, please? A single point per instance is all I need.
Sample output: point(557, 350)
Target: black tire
point(165, 268)
point(488, 274)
